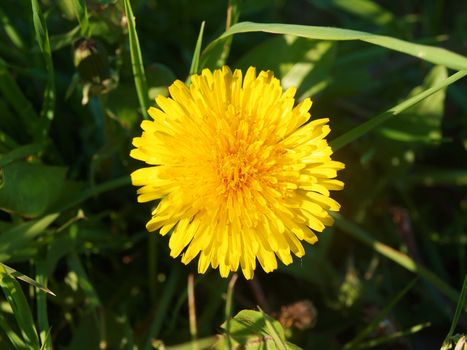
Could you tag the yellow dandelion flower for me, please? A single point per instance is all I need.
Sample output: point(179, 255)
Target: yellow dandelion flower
point(240, 174)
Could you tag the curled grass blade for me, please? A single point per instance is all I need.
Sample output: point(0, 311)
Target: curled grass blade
point(398, 257)
point(21, 310)
point(369, 125)
point(354, 343)
point(195, 61)
point(457, 314)
point(137, 61)
point(42, 38)
point(431, 54)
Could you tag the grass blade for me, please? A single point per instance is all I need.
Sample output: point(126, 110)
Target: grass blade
point(10, 31)
point(41, 298)
point(137, 61)
point(195, 61)
point(369, 125)
point(82, 15)
point(398, 257)
point(17, 342)
point(383, 340)
point(39, 285)
point(13, 94)
point(42, 38)
point(17, 300)
point(457, 315)
point(164, 305)
point(380, 317)
point(428, 53)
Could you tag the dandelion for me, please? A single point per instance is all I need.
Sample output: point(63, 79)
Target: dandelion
point(240, 173)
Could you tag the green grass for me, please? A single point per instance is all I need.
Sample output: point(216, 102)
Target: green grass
point(78, 269)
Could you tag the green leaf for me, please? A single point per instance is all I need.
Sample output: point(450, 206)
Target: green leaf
point(30, 189)
point(428, 53)
point(369, 125)
point(15, 297)
point(137, 61)
point(42, 38)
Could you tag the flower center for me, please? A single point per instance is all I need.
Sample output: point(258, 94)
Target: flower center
point(235, 171)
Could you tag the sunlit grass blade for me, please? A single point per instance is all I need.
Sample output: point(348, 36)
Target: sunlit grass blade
point(398, 257)
point(62, 40)
point(17, 342)
point(22, 234)
point(42, 38)
point(10, 31)
point(137, 61)
point(393, 336)
point(428, 53)
point(353, 344)
point(21, 310)
point(457, 315)
point(369, 125)
point(38, 284)
point(82, 15)
point(41, 299)
point(195, 61)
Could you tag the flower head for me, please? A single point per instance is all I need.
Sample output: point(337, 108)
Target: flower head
point(240, 174)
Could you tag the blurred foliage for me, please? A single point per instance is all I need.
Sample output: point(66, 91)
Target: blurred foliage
point(69, 108)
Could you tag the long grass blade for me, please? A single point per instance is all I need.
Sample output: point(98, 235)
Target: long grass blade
point(398, 257)
point(393, 336)
point(10, 31)
point(380, 317)
point(41, 299)
point(457, 314)
point(16, 340)
point(369, 125)
point(195, 61)
point(137, 61)
point(164, 305)
point(13, 94)
point(21, 310)
point(428, 53)
point(42, 38)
